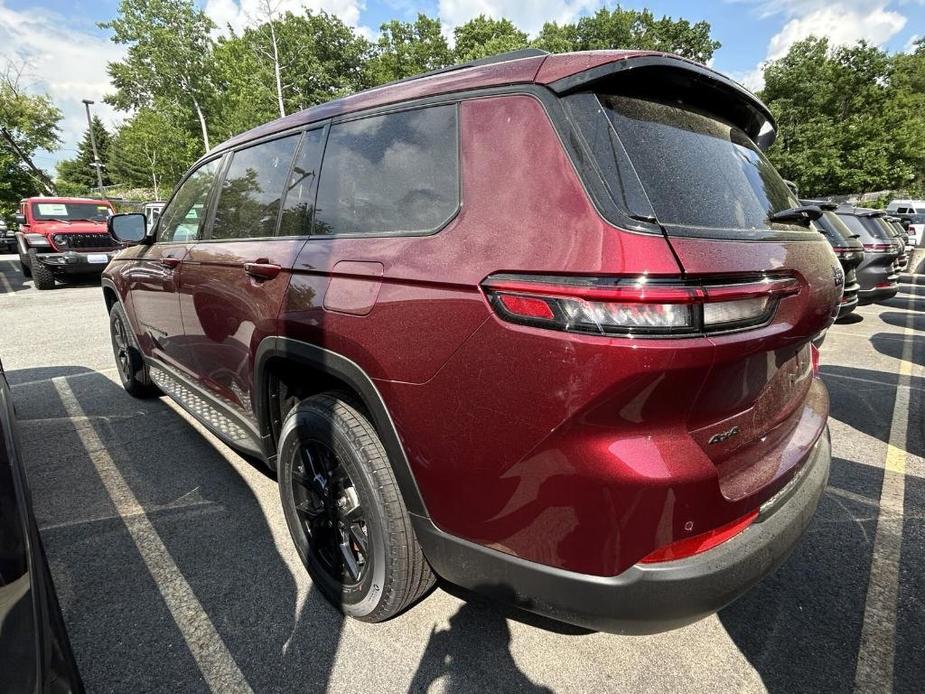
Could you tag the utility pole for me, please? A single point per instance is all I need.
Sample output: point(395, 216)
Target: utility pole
point(96, 157)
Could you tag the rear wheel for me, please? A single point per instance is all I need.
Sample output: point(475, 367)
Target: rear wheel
point(345, 513)
point(133, 372)
point(42, 276)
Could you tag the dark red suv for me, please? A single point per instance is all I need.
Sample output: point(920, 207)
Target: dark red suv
point(540, 325)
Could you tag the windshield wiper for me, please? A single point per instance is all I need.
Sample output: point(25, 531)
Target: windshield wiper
point(798, 215)
point(55, 219)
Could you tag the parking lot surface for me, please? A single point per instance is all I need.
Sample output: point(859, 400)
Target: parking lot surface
point(175, 571)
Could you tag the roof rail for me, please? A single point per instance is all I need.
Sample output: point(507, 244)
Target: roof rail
point(498, 58)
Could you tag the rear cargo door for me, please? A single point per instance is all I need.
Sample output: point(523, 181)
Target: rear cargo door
point(714, 193)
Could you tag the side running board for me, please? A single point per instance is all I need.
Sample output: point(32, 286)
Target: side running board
point(220, 421)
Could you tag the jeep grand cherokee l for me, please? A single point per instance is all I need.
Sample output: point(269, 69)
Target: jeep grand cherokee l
point(848, 249)
point(539, 324)
point(63, 237)
point(878, 273)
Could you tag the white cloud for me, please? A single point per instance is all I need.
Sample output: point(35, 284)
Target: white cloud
point(843, 23)
point(910, 44)
point(243, 13)
point(529, 15)
point(842, 26)
point(66, 63)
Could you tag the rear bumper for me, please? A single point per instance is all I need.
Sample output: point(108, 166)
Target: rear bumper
point(75, 263)
point(646, 598)
point(870, 296)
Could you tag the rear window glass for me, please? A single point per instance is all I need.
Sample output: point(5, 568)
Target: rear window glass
point(855, 224)
point(834, 228)
point(391, 173)
point(698, 171)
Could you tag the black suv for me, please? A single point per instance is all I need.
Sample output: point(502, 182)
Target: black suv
point(848, 248)
point(878, 273)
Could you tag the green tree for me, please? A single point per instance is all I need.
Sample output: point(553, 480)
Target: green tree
point(169, 57)
point(28, 123)
point(909, 80)
point(844, 124)
point(405, 49)
point(629, 29)
point(484, 36)
point(79, 174)
point(319, 59)
point(152, 150)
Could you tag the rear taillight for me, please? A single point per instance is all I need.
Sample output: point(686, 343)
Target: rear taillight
point(878, 247)
point(690, 546)
point(843, 251)
point(814, 356)
point(640, 305)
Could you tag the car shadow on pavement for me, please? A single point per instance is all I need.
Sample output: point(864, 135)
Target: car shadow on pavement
point(11, 277)
point(901, 320)
point(229, 543)
point(473, 654)
point(278, 629)
point(801, 626)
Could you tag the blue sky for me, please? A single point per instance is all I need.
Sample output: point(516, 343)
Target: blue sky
point(67, 52)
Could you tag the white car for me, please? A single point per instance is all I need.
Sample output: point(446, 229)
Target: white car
point(912, 211)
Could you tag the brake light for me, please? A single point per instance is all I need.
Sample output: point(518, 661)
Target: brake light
point(878, 247)
point(638, 306)
point(690, 546)
point(842, 251)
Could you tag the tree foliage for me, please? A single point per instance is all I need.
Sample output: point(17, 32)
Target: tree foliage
point(629, 29)
point(78, 175)
point(845, 118)
point(28, 123)
point(408, 48)
point(484, 36)
point(169, 56)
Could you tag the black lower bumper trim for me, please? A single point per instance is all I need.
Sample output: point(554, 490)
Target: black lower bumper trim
point(646, 598)
point(872, 296)
point(74, 263)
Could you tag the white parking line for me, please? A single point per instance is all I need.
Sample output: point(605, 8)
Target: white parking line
point(218, 667)
point(878, 634)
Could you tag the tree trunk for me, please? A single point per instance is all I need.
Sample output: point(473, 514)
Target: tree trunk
point(40, 175)
point(202, 123)
point(277, 72)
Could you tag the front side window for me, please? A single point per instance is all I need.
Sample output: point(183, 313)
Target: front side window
point(181, 220)
point(697, 170)
point(249, 199)
point(390, 174)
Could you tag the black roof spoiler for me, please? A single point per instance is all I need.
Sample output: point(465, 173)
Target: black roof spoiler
point(827, 205)
point(699, 85)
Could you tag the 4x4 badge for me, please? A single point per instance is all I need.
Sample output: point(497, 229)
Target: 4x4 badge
point(724, 435)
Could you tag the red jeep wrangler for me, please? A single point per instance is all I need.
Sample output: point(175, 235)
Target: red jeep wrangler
point(63, 236)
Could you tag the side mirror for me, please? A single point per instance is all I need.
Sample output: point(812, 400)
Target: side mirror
point(130, 228)
point(20, 218)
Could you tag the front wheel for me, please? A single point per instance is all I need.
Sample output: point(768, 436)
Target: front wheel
point(133, 372)
point(42, 276)
point(345, 512)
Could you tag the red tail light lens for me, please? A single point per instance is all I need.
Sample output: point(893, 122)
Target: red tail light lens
point(690, 546)
point(878, 247)
point(814, 355)
point(638, 306)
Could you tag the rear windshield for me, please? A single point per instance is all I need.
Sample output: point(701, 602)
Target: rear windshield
point(698, 171)
point(866, 232)
point(835, 229)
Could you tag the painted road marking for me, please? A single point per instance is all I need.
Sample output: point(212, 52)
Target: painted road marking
point(218, 667)
point(878, 634)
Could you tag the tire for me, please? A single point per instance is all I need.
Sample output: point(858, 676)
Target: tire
point(354, 493)
point(24, 266)
point(133, 372)
point(42, 277)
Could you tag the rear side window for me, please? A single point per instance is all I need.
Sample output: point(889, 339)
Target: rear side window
point(697, 171)
point(249, 199)
point(182, 218)
point(834, 228)
point(390, 174)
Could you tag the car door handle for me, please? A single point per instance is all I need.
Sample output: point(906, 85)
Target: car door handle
point(262, 269)
point(170, 261)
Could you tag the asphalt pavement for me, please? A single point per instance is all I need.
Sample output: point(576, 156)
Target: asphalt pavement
point(175, 571)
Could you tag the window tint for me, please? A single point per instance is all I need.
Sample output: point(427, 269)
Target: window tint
point(856, 225)
point(248, 203)
point(181, 219)
point(299, 203)
point(697, 171)
point(834, 228)
point(391, 173)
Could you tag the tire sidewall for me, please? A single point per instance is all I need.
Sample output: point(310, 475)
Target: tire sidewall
point(310, 421)
point(137, 379)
